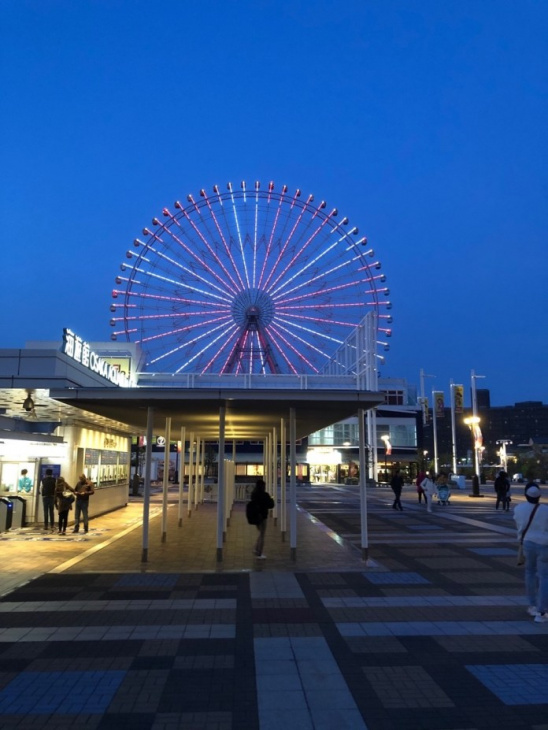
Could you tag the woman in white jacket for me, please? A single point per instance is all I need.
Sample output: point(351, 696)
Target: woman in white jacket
point(429, 488)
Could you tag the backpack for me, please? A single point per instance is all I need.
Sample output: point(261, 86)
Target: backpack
point(253, 513)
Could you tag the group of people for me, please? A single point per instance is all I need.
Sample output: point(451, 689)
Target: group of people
point(531, 519)
point(427, 487)
point(56, 493)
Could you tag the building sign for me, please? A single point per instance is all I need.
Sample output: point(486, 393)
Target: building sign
point(79, 350)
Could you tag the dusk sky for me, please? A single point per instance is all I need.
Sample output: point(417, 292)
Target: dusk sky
point(424, 122)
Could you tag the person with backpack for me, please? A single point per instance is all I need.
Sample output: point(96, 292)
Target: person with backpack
point(64, 497)
point(257, 514)
point(502, 488)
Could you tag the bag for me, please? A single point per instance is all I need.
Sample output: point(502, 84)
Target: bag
point(521, 555)
point(68, 497)
point(253, 513)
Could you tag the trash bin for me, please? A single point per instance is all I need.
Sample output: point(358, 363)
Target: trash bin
point(18, 513)
point(6, 510)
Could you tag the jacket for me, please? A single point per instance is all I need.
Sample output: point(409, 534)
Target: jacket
point(264, 501)
point(538, 529)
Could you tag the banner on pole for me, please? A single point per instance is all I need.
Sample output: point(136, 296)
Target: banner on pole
point(458, 398)
point(439, 404)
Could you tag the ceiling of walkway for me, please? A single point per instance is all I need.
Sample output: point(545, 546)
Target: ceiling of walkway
point(250, 414)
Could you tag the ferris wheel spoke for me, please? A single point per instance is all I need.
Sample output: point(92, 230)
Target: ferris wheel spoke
point(316, 333)
point(237, 222)
point(328, 321)
point(223, 238)
point(299, 254)
point(292, 347)
point(216, 259)
point(202, 351)
point(190, 269)
point(306, 343)
point(270, 240)
point(287, 241)
point(188, 343)
point(325, 252)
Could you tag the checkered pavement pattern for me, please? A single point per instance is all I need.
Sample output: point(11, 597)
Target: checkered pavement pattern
point(436, 640)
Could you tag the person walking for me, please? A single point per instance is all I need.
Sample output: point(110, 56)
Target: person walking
point(502, 488)
point(262, 502)
point(63, 503)
point(418, 484)
point(84, 489)
point(429, 488)
point(396, 484)
point(531, 519)
point(47, 488)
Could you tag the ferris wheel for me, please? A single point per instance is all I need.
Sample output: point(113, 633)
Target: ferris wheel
point(249, 280)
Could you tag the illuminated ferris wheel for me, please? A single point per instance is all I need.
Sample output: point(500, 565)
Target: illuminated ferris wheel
point(249, 280)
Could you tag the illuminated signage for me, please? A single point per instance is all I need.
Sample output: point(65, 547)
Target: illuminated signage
point(79, 350)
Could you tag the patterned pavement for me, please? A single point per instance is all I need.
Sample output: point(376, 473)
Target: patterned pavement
point(431, 633)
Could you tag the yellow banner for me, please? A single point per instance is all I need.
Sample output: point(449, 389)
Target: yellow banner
point(458, 398)
point(439, 404)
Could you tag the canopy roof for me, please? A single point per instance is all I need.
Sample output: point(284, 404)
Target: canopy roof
point(250, 414)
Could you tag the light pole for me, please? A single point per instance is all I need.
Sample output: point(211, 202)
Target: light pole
point(387, 450)
point(473, 423)
point(503, 454)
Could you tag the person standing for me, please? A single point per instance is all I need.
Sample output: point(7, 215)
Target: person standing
point(48, 499)
point(84, 489)
point(25, 482)
point(531, 519)
point(429, 488)
point(396, 484)
point(263, 502)
point(63, 503)
point(502, 489)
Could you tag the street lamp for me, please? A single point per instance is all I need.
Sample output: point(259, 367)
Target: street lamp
point(387, 450)
point(473, 423)
point(503, 453)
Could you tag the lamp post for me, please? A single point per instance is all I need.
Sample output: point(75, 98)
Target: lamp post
point(503, 453)
point(473, 423)
point(387, 450)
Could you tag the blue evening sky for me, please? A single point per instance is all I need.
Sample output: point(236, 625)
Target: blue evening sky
point(423, 121)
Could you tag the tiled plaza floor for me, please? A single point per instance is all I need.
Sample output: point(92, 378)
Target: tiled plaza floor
point(432, 633)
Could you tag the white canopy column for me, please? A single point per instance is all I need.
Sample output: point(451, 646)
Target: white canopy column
point(148, 471)
point(293, 484)
point(166, 478)
point(220, 487)
point(182, 476)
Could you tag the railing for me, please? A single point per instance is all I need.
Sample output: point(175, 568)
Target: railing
point(248, 381)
